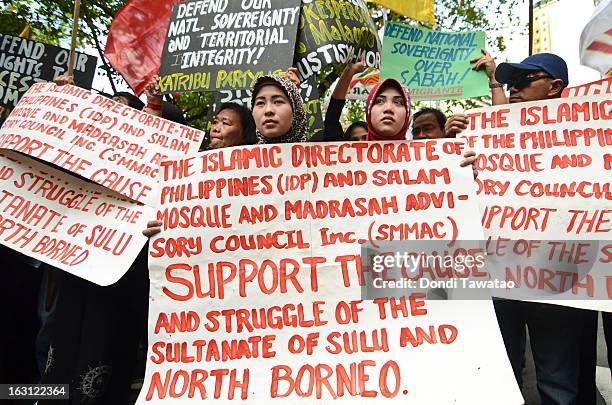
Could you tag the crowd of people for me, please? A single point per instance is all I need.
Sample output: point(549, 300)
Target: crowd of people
point(70, 331)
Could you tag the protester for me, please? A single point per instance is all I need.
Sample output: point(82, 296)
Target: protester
point(428, 123)
point(278, 111)
point(232, 125)
point(18, 298)
point(388, 112)
point(555, 332)
point(332, 129)
point(128, 99)
point(357, 131)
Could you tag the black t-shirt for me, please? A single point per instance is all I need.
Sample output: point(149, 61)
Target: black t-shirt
point(332, 130)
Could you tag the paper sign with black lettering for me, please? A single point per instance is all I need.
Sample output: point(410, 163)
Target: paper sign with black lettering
point(434, 65)
point(24, 62)
point(222, 44)
point(545, 192)
point(95, 137)
point(256, 280)
point(75, 225)
point(333, 33)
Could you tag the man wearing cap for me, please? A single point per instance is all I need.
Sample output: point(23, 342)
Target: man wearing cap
point(541, 76)
point(554, 331)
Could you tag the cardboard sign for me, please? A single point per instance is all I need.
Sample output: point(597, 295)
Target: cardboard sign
point(333, 33)
point(71, 224)
point(217, 45)
point(97, 138)
point(544, 185)
point(255, 277)
point(434, 65)
point(24, 62)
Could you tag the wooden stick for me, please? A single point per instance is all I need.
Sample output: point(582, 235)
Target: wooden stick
point(530, 27)
point(75, 31)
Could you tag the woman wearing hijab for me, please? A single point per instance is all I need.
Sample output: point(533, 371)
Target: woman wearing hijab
point(388, 116)
point(278, 111)
point(388, 112)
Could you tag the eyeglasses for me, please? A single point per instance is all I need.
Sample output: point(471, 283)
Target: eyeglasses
point(524, 81)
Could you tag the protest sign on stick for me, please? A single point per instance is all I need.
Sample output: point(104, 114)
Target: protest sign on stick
point(69, 223)
point(256, 291)
point(544, 186)
point(24, 62)
point(97, 138)
point(224, 44)
point(434, 65)
point(73, 39)
point(335, 33)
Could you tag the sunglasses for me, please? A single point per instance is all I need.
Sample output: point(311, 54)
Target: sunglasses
point(525, 81)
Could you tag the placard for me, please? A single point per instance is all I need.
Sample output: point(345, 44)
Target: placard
point(97, 138)
point(434, 65)
point(69, 223)
point(255, 277)
point(603, 86)
point(219, 45)
point(335, 32)
point(545, 195)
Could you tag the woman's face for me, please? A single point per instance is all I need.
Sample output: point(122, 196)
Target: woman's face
point(226, 130)
point(388, 114)
point(358, 134)
point(272, 111)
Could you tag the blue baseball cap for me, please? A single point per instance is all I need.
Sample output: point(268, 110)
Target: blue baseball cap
point(550, 63)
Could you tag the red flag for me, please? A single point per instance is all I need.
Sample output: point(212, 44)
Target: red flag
point(136, 40)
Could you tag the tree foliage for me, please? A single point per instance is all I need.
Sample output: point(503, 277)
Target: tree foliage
point(51, 22)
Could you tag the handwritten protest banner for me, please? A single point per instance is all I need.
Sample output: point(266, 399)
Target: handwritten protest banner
point(434, 65)
point(71, 224)
point(97, 138)
point(216, 45)
point(255, 277)
point(603, 86)
point(24, 62)
point(333, 33)
point(544, 186)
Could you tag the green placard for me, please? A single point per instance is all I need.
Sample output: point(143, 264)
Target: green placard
point(434, 65)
